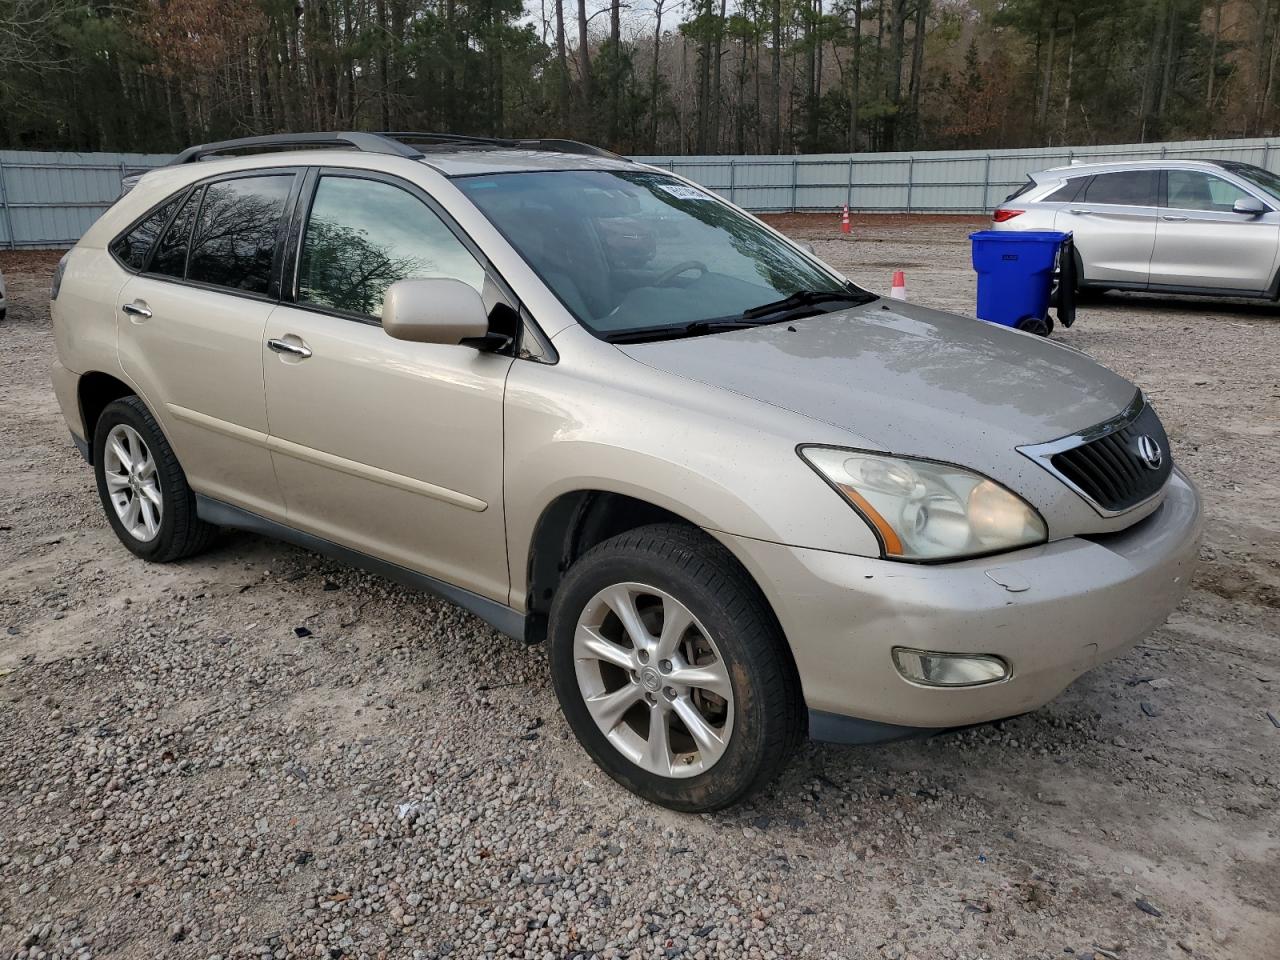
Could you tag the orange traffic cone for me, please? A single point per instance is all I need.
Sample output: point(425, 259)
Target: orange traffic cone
point(844, 220)
point(899, 291)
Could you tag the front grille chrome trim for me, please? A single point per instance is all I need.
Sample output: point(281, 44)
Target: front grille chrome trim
point(1043, 454)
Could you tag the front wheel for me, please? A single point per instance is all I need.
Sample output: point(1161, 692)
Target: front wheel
point(672, 671)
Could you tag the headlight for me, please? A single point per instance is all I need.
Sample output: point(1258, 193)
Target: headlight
point(923, 510)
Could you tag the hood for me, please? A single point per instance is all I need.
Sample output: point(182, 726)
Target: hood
point(910, 380)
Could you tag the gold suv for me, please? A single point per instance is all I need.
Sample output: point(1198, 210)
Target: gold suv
point(741, 498)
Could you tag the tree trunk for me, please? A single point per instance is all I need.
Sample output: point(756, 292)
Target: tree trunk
point(584, 57)
point(615, 71)
point(562, 60)
point(717, 56)
point(776, 146)
point(917, 64)
point(856, 71)
point(653, 78)
point(1213, 58)
point(1042, 107)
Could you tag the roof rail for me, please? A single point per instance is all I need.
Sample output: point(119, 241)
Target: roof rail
point(366, 142)
point(394, 144)
point(515, 143)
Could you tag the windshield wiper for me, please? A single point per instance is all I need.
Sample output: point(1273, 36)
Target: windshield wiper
point(798, 305)
point(807, 298)
point(695, 329)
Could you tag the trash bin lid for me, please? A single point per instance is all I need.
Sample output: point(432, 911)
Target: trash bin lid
point(1020, 236)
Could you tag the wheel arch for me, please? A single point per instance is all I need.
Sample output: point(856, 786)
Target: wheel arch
point(574, 522)
point(94, 391)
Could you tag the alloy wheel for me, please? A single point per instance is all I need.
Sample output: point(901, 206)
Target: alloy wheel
point(653, 680)
point(132, 482)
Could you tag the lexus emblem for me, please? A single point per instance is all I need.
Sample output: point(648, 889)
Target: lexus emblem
point(1149, 453)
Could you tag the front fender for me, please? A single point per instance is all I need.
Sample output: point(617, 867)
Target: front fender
point(724, 462)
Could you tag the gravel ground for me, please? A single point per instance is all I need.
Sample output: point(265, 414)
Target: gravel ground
point(260, 753)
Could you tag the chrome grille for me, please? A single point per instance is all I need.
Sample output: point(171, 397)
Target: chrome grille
point(1106, 464)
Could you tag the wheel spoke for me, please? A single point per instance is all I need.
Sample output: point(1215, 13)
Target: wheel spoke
point(622, 602)
point(657, 752)
point(609, 708)
point(130, 516)
point(150, 516)
point(147, 469)
point(676, 621)
point(590, 643)
point(710, 746)
point(152, 493)
point(708, 676)
point(116, 481)
point(121, 454)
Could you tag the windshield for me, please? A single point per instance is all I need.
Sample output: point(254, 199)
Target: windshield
point(1263, 179)
point(631, 251)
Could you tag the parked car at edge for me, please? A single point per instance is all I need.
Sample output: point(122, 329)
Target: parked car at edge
point(741, 498)
point(1207, 227)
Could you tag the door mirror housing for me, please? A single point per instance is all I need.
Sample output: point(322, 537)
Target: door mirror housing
point(436, 310)
point(807, 247)
point(1249, 206)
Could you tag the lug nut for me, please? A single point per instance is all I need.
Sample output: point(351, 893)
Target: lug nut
point(644, 656)
point(669, 692)
point(665, 666)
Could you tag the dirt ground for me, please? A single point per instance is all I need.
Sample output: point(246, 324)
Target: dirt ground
point(261, 753)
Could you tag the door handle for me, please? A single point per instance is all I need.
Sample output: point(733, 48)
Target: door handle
point(299, 349)
point(1080, 212)
point(137, 309)
point(1175, 219)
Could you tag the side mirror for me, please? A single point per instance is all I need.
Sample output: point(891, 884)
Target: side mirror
point(1249, 206)
point(437, 310)
point(806, 247)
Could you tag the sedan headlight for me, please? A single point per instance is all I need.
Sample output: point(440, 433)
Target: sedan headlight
point(922, 510)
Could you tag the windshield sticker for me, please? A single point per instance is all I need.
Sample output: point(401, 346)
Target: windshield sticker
point(681, 192)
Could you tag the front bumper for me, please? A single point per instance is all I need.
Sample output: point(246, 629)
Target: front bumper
point(1079, 603)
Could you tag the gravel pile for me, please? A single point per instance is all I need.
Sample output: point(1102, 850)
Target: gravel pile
point(261, 753)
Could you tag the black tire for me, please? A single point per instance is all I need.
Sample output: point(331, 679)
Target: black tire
point(769, 716)
point(181, 533)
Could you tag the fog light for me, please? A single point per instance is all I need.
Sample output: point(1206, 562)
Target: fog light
point(949, 669)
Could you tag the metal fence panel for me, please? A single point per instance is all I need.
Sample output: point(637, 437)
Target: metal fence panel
point(50, 199)
point(926, 181)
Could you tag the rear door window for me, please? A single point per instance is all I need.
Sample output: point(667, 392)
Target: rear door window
point(132, 248)
point(1134, 188)
point(234, 241)
point(1067, 192)
point(170, 258)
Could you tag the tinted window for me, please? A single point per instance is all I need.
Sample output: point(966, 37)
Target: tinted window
point(1135, 188)
point(363, 235)
point(170, 257)
point(133, 247)
point(235, 236)
point(1067, 192)
point(1193, 190)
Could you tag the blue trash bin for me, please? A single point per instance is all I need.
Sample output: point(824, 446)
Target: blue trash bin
point(1015, 275)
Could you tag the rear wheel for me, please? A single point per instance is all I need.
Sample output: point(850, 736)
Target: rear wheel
point(142, 487)
point(672, 671)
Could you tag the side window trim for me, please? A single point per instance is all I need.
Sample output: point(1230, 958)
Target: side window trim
point(273, 290)
point(146, 268)
point(303, 216)
point(181, 197)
